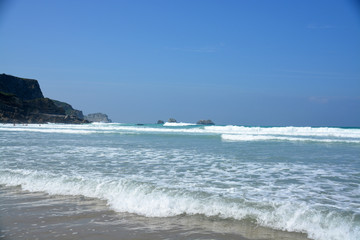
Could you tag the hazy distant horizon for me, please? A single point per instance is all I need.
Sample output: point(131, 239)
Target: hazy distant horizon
point(254, 63)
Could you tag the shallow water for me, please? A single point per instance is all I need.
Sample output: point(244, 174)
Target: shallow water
point(287, 178)
point(36, 215)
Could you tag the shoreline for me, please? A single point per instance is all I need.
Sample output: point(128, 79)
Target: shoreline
point(38, 215)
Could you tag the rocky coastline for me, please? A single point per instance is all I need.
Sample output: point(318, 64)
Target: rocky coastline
point(22, 101)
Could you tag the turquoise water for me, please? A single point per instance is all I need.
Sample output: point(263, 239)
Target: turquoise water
point(299, 179)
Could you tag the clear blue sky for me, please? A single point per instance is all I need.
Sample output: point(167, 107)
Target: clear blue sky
point(247, 62)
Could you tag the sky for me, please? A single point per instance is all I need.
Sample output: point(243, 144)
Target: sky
point(243, 62)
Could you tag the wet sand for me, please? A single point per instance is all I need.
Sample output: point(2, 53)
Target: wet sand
point(25, 215)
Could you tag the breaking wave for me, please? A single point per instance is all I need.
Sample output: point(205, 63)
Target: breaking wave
point(152, 201)
point(176, 124)
point(249, 138)
point(227, 133)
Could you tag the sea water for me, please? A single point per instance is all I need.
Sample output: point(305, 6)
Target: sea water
point(297, 179)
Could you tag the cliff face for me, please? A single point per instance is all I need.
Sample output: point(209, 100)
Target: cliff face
point(21, 101)
point(69, 110)
point(98, 117)
point(23, 88)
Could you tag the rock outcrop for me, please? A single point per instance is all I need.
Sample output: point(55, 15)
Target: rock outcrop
point(172, 120)
point(39, 110)
point(23, 88)
point(98, 117)
point(69, 110)
point(160, 122)
point(205, 122)
point(21, 101)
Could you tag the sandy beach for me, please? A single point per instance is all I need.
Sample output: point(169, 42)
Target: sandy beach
point(26, 215)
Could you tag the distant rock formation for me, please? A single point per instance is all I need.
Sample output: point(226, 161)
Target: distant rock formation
point(69, 110)
point(97, 117)
point(172, 120)
point(205, 122)
point(21, 101)
point(160, 122)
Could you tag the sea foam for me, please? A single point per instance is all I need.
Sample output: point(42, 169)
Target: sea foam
point(249, 138)
point(149, 200)
point(287, 131)
point(178, 124)
point(227, 133)
point(311, 188)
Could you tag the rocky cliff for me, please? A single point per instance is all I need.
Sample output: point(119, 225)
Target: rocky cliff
point(98, 117)
point(23, 88)
point(21, 101)
point(69, 110)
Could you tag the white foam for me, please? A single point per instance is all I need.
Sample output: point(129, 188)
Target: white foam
point(49, 130)
point(234, 133)
point(178, 124)
point(149, 200)
point(249, 138)
point(287, 131)
point(96, 128)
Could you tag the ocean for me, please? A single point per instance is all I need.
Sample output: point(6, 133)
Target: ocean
point(302, 181)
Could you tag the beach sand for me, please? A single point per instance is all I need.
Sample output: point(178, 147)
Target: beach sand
point(26, 215)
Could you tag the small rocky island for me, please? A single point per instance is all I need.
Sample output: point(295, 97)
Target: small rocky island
point(98, 117)
point(200, 122)
point(205, 122)
point(22, 101)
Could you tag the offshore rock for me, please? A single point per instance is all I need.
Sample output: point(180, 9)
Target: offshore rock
point(205, 122)
point(98, 117)
point(160, 122)
point(172, 120)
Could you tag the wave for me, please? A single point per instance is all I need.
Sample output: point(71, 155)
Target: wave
point(178, 124)
point(102, 128)
point(149, 200)
point(230, 132)
point(287, 131)
point(250, 138)
point(49, 130)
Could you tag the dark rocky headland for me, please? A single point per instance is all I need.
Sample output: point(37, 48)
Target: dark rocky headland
point(22, 101)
